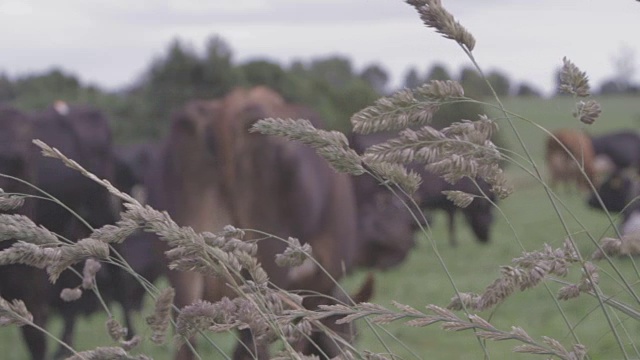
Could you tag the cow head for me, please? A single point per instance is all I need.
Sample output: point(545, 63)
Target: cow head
point(479, 214)
point(616, 191)
point(386, 230)
point(192, 141)
point(386, 227)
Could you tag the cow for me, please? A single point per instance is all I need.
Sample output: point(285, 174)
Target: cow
point(429, 196)
point(20, 281)
point(569, 152)
point(82, 133)
point(221, 174)
point(131, 166)
point(620, 193)
point(285, 188)
point(478, 214)
point(621, 148)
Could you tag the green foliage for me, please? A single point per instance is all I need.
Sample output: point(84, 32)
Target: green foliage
point(473, 84)
point(263, 72)
point(525, 89)
point(412, 79)
point(438, 72)
point(499, 82)
point(182, 75)
point(376, 77)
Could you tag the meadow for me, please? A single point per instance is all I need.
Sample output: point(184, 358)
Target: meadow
point(525, 222)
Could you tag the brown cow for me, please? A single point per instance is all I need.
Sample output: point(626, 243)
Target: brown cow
point(562, 167)
point(20, 281)
point(219, 173)
point(297, 194)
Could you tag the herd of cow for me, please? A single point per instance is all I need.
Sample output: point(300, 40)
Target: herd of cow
point(611, 162)
point(208, 172)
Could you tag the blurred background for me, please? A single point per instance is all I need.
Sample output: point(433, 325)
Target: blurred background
point(139, 61)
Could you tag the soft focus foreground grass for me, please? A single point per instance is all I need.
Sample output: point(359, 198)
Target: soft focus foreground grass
point(473, 266)
point(421, 280)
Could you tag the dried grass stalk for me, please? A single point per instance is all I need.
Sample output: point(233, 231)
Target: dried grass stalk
point(434, 15)
point(572, 80)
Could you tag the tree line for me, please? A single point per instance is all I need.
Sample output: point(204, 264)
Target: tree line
point(330, 85)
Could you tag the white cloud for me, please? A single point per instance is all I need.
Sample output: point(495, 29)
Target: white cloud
point(15, 8)
point(199, 6)
point(109, 42)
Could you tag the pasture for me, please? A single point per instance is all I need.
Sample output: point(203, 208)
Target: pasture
point(525, 222)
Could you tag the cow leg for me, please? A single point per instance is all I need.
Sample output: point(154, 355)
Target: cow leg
point(453, 241)
point(69, 320)
point(35, 338)
point(247, 349)
point(30, 285)
point(126, 313)
point(188, 287)
point(36, 342)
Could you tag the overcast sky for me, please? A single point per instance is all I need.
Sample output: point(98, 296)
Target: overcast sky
point(110, 42)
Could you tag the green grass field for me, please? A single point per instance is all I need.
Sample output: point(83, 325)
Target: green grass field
point(526, 220)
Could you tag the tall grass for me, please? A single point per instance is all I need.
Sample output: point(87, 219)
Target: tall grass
point(535, 287)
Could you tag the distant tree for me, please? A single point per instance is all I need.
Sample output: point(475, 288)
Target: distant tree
point(500, 83)
point(624, 68)
point(39, 90)
point(525, 89)
point(376, 77)
point(473, 84)
point(182, 74)
point(412, 79)
point(263, 72)
point(330, 87)
point(220, 73)
point(336, 70)
point(609, 87)
point(7, 90)
point(438, 72)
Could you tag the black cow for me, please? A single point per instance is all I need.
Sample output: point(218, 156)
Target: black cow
point(620, 193)
point(616, 192)
point(82, 133)
point(479, 214)
point(20, 281)
point(622, 148)
point(132, 163)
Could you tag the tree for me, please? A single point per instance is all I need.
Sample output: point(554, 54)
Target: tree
point(525, 89)
point(473, 84)
point(181, 75)
point(263, 72)
point(624, 68)
point(7, 88)
point(336, 71)
point(376, 77)
point(438, 72)
point(500, 83)
point(412, 79)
